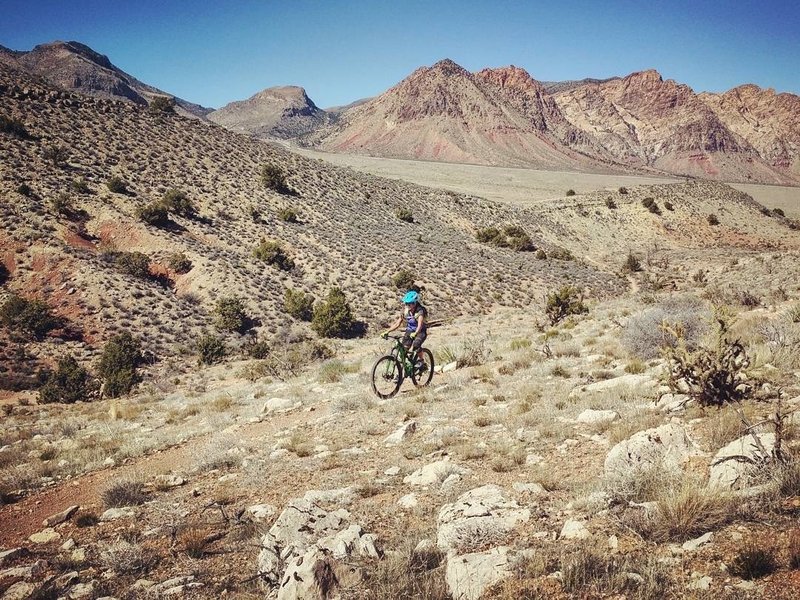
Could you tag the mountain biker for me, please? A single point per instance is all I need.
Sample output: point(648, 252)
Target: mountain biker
point(414, 315)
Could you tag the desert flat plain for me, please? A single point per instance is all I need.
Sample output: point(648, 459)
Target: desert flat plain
point(612, 412)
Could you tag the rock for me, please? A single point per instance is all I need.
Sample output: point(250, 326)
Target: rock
point(406, 430)
point(60, 517)
point(45, 536)
point(451, 366)
point(408, 501)
point(260, 513)
point(533, 459)
point(278, 454)
point(479, 516)
point(574, 530)
point(68, 545)
point(314, 576)
point(642, 384)
point(469, 575)
point(280, 405)
point(434, 473)
point(20, 591)
point(67, 579)
point(672, 403)
point(694, 544)
point(7, 556)
point(703, 583)
point(535, 489)
point(345, 495)
point(349, 541)
point(78, 555)
point(597, 417)
point(112, 514)
point(666, 446)
point(392, 471)
point(613, 542)
point(81, 591)
point(169, 481)
point(736, 473)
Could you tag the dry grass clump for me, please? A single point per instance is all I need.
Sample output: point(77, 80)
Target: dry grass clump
point(127, 557)
point(406, 573)
point(644, 337)
point(124, 493)
point(753, 562)
point(300, 444)
point(623, 429)
point(195, 542)
point(333, 370)
point(725, 426)
point(794, 549)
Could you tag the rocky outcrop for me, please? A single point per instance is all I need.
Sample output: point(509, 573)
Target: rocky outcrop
point(665, 447)
point(738, 464)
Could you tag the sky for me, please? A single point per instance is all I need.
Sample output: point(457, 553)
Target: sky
point(216, 52)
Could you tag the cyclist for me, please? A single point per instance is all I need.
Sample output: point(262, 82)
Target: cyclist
point(414, 315)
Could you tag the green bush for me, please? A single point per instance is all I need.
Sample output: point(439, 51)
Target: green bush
point(779, 212)
point(13, 127)
point(404, 214)
point(117, 185)
point(287, 215)
point(211, 349)
point(117, 367)
point(69, 383)
point(136, 264)
point(273, 178)
point(713, 219)
point(179, 263)
point(623, 190)
point(333, 317)
point(229, 314)
point(272, 253)
point(511, 236)
point(154, 214)
point(62, 204)
point(570, 193)
point(25, 190)
point(559, 253)
point(568, 300)
point(403, 279)
point(79, 186)
point(161, 105)
point(298, 304)
point(258, 349)
point(178, 203)
point(30, 317)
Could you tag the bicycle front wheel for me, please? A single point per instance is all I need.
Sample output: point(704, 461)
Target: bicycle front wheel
point(387, 377)
point(422, 375)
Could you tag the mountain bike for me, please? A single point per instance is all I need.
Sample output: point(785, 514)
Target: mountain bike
point(390, 370)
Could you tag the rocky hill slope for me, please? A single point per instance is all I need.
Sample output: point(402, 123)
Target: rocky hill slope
point(75, 66)
point(278, 112)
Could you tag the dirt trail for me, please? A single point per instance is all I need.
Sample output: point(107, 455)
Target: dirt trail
point(21, 519)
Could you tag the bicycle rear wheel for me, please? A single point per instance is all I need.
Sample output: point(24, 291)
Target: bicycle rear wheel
point(422, 376)
point(387, 377)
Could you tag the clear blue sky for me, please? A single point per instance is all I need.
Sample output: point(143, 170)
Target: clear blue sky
point(215, 52)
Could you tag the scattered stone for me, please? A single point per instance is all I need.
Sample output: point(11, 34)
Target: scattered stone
point(672, 403)
point(21, 590)
point(45, 536)
point(703, 583)
point(434, 473)
point(734, 465)
point(345, 495)
point(169, 481)
point(451, 366)
point(642, 384)
point(280, 405)
point(574, 530)
point(667, 446)
point(694, 544)
point(60, 517)
point(278, 454)
point(112, 514)
point(392, 471)
point(613, 542)
point(408, 501)
point(536, 489)
point(480, 515)
point(533, 459)
point(68, 545)
point(469, 575)
point(597, 417)
point(7, 556)
point(406, 430)
point(260, 513)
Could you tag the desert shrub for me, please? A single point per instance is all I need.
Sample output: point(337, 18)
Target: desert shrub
point(668, 205)
point(178, 203)
point(229, 314)
point(13, 127)
point(610, 203)
point(161, 105)
point(568, 300)
point(540, 254)
point(288, 215)
point(273, 253)
point(79, 186)
point(779, 212)
point(511, 236)
point(24, 189)
point(712, 376)
point(55, 154)
point(67, 384)
point(153, 213)
point(632, 263)
point(333, 317)
point(117, 185)
point(124, 493)
point(570, 193)
point(273, 178)
point(623, 190)
point(473, 353)
point(211, 349)
point(28, 317)
point(559, 253)
point(135, 264)
point(127, 558)
point(4, 274)
point(121, 355)
point(753, 562)
point(259, 349)
point(404, 214)
point(403, 279)
point(179, 263)
point(651, 205)
point(644, 337)
point(747, 298)
point(298, 304)
point(712, 219)
point(407, 573)
point(62, 204)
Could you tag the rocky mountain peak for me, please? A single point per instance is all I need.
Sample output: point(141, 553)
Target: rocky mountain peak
point(510, 77)
point(448, 67)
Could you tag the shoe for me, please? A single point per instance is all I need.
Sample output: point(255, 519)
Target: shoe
point(419, 366)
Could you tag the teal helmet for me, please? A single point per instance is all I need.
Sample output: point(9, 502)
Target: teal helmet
point(411, 297)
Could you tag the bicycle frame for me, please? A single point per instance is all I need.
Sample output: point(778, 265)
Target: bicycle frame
point(402, 355)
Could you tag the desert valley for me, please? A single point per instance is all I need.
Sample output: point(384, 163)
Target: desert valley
point(191, 303)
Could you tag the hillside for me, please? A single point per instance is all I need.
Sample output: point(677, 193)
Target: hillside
point(75, 66)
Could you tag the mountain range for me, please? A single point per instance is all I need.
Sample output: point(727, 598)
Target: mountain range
point(638, 123)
